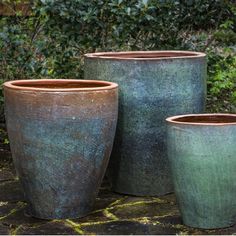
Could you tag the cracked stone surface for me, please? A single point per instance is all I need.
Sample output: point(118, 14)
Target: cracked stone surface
point(113, 213)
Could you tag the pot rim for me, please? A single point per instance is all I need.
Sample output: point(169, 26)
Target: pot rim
point(146, 55)
point(174, 119)
point(15, 85)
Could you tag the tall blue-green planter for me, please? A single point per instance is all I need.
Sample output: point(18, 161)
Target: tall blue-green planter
point(202, 154)
point(153, 85)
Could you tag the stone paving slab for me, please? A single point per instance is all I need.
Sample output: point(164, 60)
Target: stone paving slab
point(113, 214)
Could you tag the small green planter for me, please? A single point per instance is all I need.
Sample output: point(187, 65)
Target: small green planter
point(202, 155)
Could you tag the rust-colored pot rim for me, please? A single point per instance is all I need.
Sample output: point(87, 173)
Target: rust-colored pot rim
point(146, 55)
point(60, 85)
point(209, 119)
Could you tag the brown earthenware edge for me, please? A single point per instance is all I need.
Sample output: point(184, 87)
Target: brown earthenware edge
point(146, 55)
point(16, 85)
point(174, 119)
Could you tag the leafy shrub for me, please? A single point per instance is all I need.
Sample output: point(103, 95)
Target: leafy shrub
point(222, 81)
point(76, 27)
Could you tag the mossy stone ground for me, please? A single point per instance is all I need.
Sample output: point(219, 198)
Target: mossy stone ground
point(113, 213)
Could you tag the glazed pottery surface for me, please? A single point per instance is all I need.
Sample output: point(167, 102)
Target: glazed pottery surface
point(153, 85)
point(202, 154)
point(61, 134)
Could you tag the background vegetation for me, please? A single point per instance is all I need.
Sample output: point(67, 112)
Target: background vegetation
point(49, 39)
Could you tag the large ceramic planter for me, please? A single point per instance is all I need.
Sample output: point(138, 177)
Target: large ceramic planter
point(153, 86)
point(202, 153)
point(61, 135)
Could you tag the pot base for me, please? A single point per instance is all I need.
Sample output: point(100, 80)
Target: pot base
point(210, 226)
point(142, 192)
point(137, 194)
point(138, 184)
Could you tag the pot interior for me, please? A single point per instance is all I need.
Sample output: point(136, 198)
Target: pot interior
point(207, 119)
point(148, 55)
point(55, 84)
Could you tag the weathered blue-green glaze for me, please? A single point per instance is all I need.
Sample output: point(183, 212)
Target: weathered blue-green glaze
point(61, 134)
point(202, 154)
point(153, 86)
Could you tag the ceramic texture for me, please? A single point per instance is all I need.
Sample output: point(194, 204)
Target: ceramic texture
point(61, 134)
point(203, 163)
point(152, 86)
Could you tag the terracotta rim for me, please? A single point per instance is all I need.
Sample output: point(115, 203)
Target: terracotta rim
point(212, 119)
point(59, 85)
point(146, 55)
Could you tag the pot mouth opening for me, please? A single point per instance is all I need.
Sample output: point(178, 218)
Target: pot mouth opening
point(204, 119)
point(145, 55)
point(60, 85)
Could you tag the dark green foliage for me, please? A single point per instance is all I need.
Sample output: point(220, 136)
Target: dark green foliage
point(51, 41)
point(136, 24)
point(222, 81)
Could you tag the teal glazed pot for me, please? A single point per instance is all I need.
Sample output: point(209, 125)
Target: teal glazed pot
point(202, 154)
point(61, 135)
point(152, 86)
